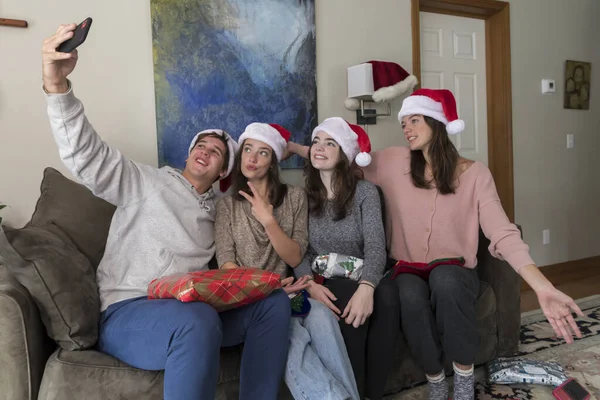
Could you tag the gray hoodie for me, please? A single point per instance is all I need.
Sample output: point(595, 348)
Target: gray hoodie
point(162, 225)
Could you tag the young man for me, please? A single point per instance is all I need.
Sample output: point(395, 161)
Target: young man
point(163, 225)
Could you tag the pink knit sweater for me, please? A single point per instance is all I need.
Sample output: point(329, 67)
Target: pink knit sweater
point(423, 225)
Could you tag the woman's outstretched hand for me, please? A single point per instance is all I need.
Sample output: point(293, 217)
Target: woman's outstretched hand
point(558, 308)
point(556, 305)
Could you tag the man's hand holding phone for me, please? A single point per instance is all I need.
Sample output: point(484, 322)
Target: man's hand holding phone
point(56, 66)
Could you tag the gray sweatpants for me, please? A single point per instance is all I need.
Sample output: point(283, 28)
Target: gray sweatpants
point(439, 315)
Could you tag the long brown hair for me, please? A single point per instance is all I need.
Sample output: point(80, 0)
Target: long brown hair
point(277, 189)
point(444, 159)
point(344, 180)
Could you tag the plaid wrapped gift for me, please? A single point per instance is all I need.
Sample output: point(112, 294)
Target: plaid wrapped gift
point(224, 289)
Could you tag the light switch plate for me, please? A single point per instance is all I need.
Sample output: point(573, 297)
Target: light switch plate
point(570, 140)
point(548, 86)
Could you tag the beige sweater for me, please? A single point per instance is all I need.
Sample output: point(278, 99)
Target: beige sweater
point(242, 240)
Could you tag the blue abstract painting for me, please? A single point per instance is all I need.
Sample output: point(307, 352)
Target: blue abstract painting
point(227, 63)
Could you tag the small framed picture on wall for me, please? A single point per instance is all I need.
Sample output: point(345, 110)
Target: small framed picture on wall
point(577, 85)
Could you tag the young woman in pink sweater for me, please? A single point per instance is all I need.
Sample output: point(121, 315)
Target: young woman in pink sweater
point(436, 201)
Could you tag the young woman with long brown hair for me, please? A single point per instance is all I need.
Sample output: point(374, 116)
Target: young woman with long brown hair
point(345, 218)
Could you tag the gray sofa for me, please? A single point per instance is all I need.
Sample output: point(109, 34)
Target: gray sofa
point(48, 321)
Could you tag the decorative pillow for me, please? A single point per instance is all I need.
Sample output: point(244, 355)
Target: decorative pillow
point(60, 279)
point(84, 217)
point(423, 269)
point(224, 289)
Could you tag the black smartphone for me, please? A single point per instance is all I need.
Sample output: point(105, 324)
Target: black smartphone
point(78, 38)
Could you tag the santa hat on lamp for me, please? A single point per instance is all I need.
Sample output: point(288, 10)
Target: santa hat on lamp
point(382, 80)
point(438, 104)
point(274, 135)
point(353, 139)
point(232, 148)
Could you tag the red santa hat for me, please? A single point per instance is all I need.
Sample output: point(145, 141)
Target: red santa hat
point(353, 139)
point(274, 135)
point(438, 104)
point(388, 80)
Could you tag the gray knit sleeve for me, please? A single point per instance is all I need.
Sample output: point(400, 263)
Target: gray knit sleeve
point(373, 233)
point(304, 268)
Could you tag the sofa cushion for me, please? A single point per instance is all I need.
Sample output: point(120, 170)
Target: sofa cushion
point(60, 279)
point(84, 217)
point(94, 375)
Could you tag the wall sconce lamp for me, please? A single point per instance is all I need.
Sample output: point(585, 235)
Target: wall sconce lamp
point(376, 82)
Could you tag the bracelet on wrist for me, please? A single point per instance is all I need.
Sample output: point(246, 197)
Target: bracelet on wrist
point(367, 283)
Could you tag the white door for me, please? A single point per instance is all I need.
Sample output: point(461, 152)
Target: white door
point(453, 58)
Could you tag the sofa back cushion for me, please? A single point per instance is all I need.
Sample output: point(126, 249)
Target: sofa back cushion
point(84, 217)
point(60, 279)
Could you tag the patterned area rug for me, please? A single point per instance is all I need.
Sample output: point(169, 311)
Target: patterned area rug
point(580, 360)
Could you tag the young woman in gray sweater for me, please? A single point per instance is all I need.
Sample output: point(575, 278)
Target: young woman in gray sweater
point(345, 218)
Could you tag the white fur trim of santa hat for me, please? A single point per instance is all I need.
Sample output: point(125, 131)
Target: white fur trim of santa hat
point(422, 105)
point(271, 134)
point(391, 92)
point(352, 139)
point(232, 146)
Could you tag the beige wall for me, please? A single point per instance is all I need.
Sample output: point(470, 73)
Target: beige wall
point(114, 79)
point(555, 188)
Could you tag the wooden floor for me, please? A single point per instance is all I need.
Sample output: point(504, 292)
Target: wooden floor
point(578, 279)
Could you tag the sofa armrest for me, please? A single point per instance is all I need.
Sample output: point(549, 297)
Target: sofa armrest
point(24, 347)
point(506, 284)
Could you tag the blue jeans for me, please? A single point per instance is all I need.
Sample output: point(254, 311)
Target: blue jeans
point(185, 339)
point(318, 367)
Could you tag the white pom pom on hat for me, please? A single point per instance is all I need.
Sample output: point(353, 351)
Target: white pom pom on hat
point(363, 159)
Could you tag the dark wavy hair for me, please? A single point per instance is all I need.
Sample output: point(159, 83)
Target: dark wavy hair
point(444, 159)
point(344, 180)
point(277, 189)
